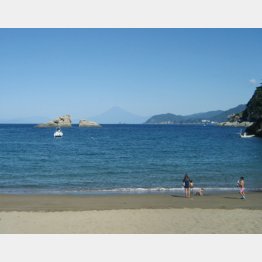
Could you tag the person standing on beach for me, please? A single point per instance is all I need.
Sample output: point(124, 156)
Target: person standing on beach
point(191, 185)
point(186, 184)
point(241, 184)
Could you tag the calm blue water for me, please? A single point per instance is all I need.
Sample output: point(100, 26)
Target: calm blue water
point(126, 158)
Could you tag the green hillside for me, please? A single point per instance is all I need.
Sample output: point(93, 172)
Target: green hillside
point(253, 113)
point(225, 115)
point(216, 116)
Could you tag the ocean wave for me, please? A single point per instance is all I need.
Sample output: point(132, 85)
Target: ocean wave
point(138, 190)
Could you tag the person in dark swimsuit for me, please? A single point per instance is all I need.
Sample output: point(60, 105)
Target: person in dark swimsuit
point(186, 184)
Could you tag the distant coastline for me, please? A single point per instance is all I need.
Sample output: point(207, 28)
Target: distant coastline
point(117, 115)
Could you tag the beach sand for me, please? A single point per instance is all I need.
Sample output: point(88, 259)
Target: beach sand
point(142, 214)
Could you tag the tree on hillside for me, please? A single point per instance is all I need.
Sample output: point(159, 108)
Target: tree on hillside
point(253, 111)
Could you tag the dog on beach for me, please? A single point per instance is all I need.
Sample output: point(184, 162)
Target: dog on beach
point(200, 192)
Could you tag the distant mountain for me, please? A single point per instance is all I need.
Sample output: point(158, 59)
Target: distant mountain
point(224, 115)
point(117, 115)
point(205, 115)
point(165, 119)
point(216, 116)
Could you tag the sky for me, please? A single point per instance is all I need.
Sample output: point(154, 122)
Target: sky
point(85, 72)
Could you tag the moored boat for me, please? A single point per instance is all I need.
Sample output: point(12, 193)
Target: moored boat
point(58, 132)
point(245, 135)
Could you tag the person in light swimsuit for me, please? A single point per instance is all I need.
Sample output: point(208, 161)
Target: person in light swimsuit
point(241, 185)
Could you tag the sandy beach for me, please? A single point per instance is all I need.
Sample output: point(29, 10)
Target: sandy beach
point(134, 214)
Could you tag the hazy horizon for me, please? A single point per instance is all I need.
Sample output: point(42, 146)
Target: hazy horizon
point(113, 115)
point(85, 72)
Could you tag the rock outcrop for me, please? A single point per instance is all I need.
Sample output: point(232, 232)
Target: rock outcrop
point(62, 121)
point(86, 123)
point(255, 129)
point(253, 113)
point(236, 124)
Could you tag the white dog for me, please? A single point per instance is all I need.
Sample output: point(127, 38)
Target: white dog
point(200, 192)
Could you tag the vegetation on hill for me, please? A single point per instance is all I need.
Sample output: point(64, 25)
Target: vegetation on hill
point(165, 119)
point(230, 114)
point(216, 116)
point(253, 113)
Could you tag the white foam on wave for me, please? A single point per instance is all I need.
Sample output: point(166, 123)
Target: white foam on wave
point(137, 190)
point(141, 190)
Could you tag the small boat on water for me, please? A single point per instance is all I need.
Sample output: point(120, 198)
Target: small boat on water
point(58, 132)
point(245, 135)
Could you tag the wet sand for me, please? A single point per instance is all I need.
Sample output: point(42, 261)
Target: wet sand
point(101, 202)
point(224, 213)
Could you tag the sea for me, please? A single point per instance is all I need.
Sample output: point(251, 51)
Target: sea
point(126, 159)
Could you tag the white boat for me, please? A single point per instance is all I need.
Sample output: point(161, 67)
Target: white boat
point(245, 135)
point(58, 132)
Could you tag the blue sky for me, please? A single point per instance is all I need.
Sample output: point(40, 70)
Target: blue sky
point(84, 72)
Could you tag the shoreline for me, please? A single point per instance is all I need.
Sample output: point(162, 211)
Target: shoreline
point(129, 191)
point(127, 201)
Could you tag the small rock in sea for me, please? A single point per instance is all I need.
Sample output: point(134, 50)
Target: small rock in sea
point(86, 123)
point(62, 121)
